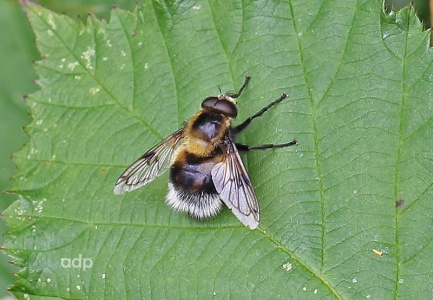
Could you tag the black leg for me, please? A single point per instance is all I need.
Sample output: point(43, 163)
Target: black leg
point(242, 147)
point(247, 79)
point(247, 122)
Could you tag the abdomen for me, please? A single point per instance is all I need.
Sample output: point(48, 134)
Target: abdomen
point(191, 188)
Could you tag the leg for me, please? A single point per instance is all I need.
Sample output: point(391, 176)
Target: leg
point(247, 122)
point(247, 79)
point(242, 147)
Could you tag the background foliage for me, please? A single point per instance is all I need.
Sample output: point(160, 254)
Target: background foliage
point(296, 241)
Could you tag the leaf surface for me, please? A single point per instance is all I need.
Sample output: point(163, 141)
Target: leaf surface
point(359, 85)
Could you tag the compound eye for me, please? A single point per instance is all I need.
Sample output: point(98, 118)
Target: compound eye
point(209, 102)
point(222, 106)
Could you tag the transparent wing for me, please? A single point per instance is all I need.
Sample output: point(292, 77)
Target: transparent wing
point(234, 186)
point(149, 166)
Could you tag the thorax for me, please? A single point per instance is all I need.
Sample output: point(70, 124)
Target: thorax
point(205, 131)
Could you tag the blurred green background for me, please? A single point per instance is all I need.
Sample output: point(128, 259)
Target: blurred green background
point(17, 51)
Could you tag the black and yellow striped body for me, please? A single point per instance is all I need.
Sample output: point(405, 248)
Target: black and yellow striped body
point(191, 188)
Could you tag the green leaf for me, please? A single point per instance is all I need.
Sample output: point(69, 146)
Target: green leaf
point(360, 107)
point(16, 44)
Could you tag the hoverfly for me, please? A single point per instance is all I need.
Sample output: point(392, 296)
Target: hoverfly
point(205, 167)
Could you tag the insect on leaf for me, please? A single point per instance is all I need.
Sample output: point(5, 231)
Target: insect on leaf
point(359, 84)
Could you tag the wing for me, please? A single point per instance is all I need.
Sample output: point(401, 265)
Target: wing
point(149, 166)
point(234, 186)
